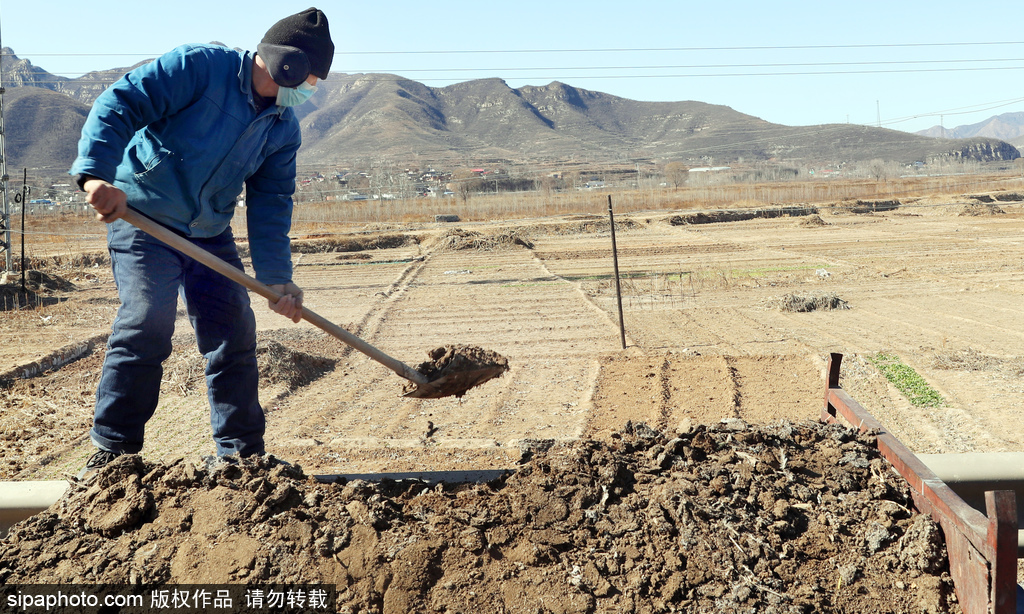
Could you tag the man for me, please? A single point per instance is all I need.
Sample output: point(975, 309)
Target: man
point(177, 139)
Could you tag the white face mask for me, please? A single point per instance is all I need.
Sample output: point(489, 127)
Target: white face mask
point(294, 96)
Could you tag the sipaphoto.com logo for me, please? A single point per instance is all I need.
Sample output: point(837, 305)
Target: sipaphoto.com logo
point(167, 599)
point(59, 600)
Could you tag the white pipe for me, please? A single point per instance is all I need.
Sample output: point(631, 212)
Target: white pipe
point(1006, 468)
point(20, 500)
point(970, 474)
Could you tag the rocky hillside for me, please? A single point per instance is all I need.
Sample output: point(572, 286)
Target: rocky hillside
point(368, 116)
point(42, 128)
point(1008, 127)
point(379, 114)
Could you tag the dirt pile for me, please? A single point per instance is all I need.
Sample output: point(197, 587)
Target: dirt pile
point(874, 206)
point(459, 239)
point(730, 518)
point(279, 356)
point(37, 289)
point(584, 224)
point(804, 304)
point(980, 209)
point(813, 221)
point(69, 262)
point(741, 215)
point(353, 244)
point(311, 244)
point(38, 281)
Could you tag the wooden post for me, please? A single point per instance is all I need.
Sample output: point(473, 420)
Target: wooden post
point(1001, 506)
point(615, 260)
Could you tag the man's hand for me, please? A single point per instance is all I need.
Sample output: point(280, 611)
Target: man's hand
point(290, 305)
point(109, 202)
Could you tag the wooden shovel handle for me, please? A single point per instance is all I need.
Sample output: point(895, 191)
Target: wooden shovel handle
point(204, 257)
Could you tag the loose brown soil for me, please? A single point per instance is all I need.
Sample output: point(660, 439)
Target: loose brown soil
point(729, 518)
point(454, 370)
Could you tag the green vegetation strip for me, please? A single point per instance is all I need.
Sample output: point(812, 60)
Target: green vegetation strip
point(906, 380)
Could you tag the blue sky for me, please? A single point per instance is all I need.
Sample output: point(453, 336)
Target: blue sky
point(907, 66)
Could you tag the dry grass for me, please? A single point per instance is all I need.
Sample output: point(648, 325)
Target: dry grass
point(970, 359)
point(279, 365)
point(519, 205)
point(967, 359)
point(458, 239)
point(67, 234)
point(62, 235)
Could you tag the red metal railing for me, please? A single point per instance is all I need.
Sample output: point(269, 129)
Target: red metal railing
point(982, 548)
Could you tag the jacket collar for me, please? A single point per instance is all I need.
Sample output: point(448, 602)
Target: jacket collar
point(245, 83)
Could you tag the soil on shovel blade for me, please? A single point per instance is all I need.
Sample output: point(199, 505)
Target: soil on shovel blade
point(779, 518)
point(453, 369)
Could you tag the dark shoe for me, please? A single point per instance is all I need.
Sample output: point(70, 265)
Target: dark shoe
point(97, 461)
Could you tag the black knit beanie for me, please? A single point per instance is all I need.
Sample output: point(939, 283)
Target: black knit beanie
point(307, 32)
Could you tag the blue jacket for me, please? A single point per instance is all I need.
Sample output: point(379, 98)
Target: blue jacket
point(181, 136)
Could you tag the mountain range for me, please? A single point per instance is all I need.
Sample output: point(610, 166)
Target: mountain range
point(1007, 127)
point(356, 118)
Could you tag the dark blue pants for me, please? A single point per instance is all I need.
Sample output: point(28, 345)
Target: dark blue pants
point(150, 276)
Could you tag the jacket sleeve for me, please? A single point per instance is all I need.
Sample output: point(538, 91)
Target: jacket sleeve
point(143, 96)
point(268, 200)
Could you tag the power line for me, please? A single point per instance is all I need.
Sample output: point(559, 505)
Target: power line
point(987, 106)
point(696, 66)
point(663, 49)
point(594, 50)
point(380, 78)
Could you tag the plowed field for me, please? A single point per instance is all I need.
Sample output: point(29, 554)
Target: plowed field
point(708, 338)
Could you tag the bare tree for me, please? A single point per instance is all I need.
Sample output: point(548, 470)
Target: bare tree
point(383, 177)
point(676, 173)
point(463, 183)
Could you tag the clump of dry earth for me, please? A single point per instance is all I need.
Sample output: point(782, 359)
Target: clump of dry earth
point(786, 517)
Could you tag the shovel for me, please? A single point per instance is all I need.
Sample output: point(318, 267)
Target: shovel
point(445, 382)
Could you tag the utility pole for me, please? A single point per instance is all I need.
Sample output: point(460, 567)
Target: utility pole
point(878, 109)
point(5, 221)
